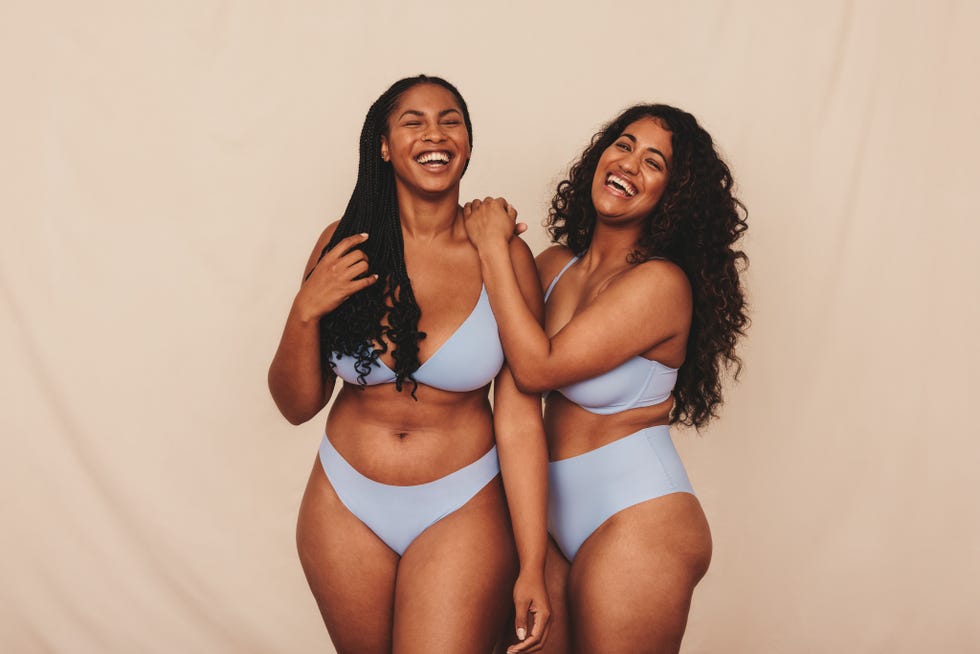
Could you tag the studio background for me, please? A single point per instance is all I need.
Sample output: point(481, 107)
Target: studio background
point(167, 167)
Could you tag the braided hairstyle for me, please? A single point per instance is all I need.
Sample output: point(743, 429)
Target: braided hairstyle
point(695, 225)
point(386, 311)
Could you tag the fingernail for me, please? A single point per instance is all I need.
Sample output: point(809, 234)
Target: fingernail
point(521, 633)
point(364, 234)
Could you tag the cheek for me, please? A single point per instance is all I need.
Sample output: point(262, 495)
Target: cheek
point(463, 143)
point(660, 185)
point(656, 190)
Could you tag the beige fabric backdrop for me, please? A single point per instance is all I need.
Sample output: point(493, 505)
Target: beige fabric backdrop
point(166, 168)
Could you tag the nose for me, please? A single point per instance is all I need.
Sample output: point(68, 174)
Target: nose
point(629, 163)
point(433, 133)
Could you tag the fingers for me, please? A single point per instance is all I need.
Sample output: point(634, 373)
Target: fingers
point(542, 620)
point(500, 203)
point(521, 621)
point(345, 268)
point(489, 220)
point(362, 283)
point(532, 626)
point(490, 203)
point(345, 244)
point(351, 258)
point(357, 269)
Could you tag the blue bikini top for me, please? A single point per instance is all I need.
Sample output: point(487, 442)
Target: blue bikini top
point(468, 360)
point(637, 382)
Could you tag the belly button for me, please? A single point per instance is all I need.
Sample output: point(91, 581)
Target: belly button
point(402, 435)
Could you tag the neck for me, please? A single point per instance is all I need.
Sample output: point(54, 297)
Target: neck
point(428, 217)
point(611, 245)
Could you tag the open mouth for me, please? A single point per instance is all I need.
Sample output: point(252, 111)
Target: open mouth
point(619, 184)
point(434, 159)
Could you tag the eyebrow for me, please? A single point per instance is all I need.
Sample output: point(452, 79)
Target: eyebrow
point(653, 150)
point(416, 112)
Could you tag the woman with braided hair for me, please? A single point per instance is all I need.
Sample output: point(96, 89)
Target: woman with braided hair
point(404, 532)
point(643, 310)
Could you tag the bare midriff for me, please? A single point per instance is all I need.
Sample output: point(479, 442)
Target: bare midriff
point(393, 438)
point(571, 430)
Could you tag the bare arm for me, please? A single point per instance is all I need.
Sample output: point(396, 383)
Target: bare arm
point(524, 468)
point(296, 380)
point(648, 305)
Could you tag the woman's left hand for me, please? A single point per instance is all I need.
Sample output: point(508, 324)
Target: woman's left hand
point(533, 608)
point(490, 219)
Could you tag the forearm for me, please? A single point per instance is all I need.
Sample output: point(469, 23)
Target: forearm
point(524, 469)
point(296, 379)
point(525, 343)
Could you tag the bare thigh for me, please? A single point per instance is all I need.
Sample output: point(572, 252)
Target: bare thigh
point(631, 583)
point(350, 570)
point(556, 579)
point(455, 580)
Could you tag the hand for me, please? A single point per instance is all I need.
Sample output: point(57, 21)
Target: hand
point(334, 278)
point(489, 219)
point(533, 608)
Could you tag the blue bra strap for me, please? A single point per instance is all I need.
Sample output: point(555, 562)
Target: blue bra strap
point(561, 272)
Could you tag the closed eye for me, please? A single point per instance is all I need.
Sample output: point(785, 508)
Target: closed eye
point(654, 164)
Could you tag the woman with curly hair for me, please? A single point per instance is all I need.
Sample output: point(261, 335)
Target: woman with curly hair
point(643, 310)
point(404, 531)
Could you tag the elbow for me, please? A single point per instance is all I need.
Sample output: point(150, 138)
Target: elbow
point(295, 414)
point(296, 408)
point(530, 382)
point(295, 417)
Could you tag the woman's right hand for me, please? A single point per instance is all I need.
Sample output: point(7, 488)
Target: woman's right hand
point(491, 220)
point(334, 278)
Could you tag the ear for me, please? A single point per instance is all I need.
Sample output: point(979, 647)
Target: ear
point(384, 149)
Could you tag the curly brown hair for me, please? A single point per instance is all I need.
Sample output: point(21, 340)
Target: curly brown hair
point(695, 225)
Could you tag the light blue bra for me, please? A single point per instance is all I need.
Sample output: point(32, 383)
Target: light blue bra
point(468, 360)
point(637, 382)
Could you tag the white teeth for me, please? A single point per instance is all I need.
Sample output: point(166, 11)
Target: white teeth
point(622, 184)
point(433, 157)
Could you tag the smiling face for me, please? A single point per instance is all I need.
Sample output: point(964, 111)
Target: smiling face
point(427, 142)
point(632, 173)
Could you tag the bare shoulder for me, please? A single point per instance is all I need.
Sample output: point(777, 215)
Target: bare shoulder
point(551, 261)
point(655, 281)
point(325, 237)
point(321, 243)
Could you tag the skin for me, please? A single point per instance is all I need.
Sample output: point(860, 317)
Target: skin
point(451, 588)
point(630, 586)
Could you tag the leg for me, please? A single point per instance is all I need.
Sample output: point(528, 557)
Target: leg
point(556, 577)
point(455, 580)
point(350, 571)
point(631, 583)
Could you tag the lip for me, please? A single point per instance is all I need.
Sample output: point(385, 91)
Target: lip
point(435, 159)
point(621, 188)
